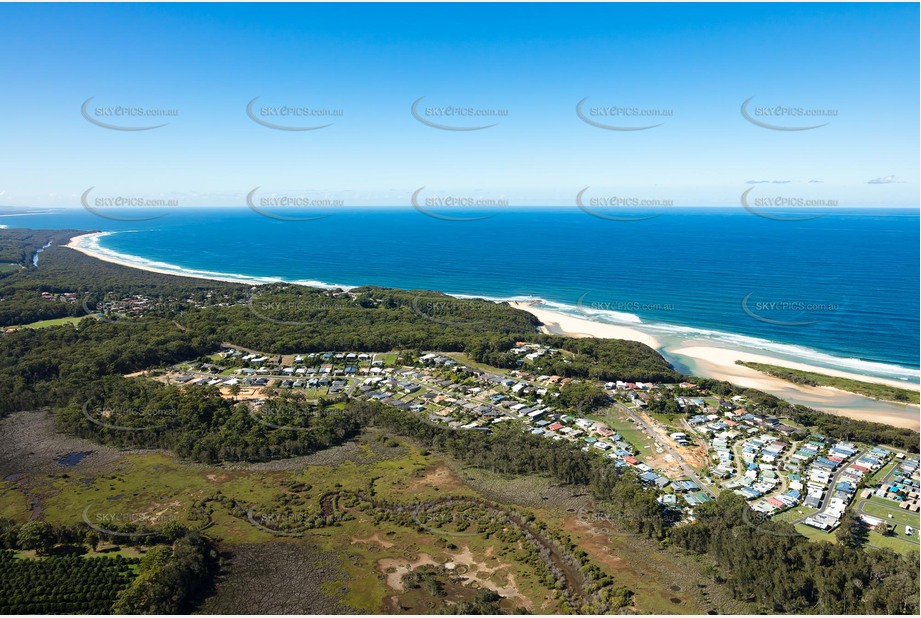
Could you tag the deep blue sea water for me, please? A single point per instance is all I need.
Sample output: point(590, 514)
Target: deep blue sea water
point(841, 290)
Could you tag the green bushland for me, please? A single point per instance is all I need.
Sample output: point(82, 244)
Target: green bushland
point(18, 245)
point(176, 571)
point(67, 368)
point(171, 578)
point(767, 563)
point(200, 424)
point(773, 565)
point(54, 365)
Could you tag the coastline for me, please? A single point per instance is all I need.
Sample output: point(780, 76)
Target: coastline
point(571, 326)
point(719, 363)
point(703, 358)
point(725, 357)
point(88, 244)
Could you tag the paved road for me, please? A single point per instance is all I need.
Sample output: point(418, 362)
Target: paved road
point(910, 539)
point(740, 463)
point(355, 380)
point(688, 469)
point(831, 486)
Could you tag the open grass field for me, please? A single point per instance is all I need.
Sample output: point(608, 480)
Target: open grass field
point(881, 474)
point(879, 507)
point(897, 542)
point(466, 360)
point(315, 393)
point(795, 513)
point(814, 534)
point(618, 420)
point(56, 322)
point(389, 358)
point(792, 423)
point(672, 421)
point(14, 504)
point(876, 506)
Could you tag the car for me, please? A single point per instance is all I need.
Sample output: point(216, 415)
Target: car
point(909, 531)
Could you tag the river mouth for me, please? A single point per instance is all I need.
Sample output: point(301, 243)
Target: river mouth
point(35, 257)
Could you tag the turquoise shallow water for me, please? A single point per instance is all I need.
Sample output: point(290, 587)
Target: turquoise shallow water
point(840, 290)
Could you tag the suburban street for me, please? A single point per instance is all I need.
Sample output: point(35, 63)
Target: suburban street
point(862, 501)
point(685, 466)
point(831, 486)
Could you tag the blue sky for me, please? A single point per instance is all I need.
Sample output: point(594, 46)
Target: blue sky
point(535, 62)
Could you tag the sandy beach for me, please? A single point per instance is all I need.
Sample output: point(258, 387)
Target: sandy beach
point(87, 244)
point(705, 359)
point(727, 358)
point(710, 361)
point(719, 363)
point(569, 326)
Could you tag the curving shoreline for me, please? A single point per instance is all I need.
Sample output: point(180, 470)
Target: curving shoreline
point(719, 363)
point(88, 244)
point(561, 324)
point(702, 357)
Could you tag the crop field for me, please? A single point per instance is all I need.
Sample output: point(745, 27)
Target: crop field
point(331, 524)
point(62, 584)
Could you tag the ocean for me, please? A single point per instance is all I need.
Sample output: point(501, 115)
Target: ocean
point(837, 291)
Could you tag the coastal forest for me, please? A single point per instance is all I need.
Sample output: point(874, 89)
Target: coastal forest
point(70, 368)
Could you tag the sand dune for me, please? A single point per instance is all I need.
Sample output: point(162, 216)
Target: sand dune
point(710, 361)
